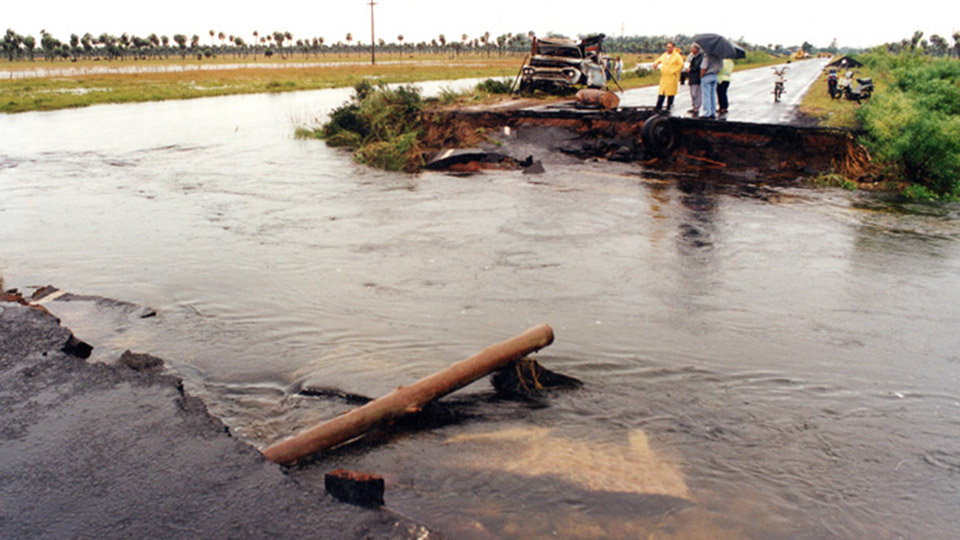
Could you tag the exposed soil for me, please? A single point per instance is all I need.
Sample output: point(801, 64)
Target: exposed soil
point(774, 151)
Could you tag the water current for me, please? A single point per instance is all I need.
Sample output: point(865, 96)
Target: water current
point(759, 360)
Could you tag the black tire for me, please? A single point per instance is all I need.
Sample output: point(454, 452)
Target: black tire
point(864, 96)
point(658, 136)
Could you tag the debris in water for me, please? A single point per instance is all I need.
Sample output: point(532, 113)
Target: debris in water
point(526, 377)
point(354, 487)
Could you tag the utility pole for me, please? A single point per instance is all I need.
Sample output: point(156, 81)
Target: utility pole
point(621, 38)
point(373, 44)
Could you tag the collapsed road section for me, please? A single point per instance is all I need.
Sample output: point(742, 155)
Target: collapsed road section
point(657, 141)
point(120, 450)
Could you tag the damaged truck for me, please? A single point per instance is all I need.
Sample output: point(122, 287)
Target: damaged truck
point(558, 65)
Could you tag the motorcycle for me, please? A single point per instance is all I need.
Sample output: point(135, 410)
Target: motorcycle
point(778, 89)
point(832, 84)
point(855, 88)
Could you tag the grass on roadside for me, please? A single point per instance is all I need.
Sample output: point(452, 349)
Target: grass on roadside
point(385, 126)
point(837, 113)
point(19, 95)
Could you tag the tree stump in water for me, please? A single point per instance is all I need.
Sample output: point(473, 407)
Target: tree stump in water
point(525, 377)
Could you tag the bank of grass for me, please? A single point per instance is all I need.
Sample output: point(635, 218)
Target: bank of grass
point(51, 93)
point(817, 105)
point(385, 127)
point(911, 125)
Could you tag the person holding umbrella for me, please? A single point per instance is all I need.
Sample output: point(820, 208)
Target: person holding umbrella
point(709, 68)
point(671, 63)
point(715, 48)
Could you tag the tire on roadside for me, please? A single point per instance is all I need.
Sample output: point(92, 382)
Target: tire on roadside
point(658, 136)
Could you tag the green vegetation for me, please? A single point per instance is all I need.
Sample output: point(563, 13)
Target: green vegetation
point(832, 179)
point(912, 126)
point(385, 126)
point(108, 47)
point(380, 124)
point(19, 95)
point(838, 113)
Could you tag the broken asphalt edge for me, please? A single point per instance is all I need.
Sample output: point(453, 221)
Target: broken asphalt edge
point(86, 448)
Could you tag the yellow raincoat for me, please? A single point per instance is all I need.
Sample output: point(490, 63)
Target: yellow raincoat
point(670, 67)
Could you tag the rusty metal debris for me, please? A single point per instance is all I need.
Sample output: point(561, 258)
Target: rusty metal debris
point(557, 65)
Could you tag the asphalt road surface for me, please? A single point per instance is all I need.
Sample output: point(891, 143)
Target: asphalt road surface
point(750, 93)
point(90, 450)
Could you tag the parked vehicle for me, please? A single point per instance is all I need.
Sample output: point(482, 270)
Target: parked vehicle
point(855, 88)
point(832, 88)
point(778, 81)
point(561, 64)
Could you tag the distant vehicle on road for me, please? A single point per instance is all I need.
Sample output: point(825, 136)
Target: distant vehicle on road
point(778, 81)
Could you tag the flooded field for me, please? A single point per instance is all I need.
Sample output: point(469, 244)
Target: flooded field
point(760, 361)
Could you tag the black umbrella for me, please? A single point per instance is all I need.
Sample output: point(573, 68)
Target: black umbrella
point(718, 45)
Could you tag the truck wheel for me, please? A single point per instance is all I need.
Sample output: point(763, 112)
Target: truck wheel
point(657, 135)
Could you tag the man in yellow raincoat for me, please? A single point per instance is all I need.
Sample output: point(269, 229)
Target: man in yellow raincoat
point(671, 64)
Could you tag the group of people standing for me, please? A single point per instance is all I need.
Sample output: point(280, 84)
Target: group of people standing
point(707, 75)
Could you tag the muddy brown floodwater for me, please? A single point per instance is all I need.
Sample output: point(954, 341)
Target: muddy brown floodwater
point(760, 360)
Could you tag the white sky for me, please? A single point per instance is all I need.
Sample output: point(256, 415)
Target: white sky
point(855, 24)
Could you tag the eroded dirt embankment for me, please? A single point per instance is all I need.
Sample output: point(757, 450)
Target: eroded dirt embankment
point(94, 450)
point(655, 141)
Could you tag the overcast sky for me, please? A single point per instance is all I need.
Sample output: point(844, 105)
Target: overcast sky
point(855, 24)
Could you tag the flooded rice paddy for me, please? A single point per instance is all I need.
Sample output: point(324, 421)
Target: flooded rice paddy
point(760, 361)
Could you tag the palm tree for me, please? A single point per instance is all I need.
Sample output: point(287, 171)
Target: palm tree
point(241, 46)
point(125, 42)
point(181, 41)
point(154, 42)
point(915, 39)
point(349, 39)
point(256, 40)
point(400, 40)
point(212, 32)
point(30, 43)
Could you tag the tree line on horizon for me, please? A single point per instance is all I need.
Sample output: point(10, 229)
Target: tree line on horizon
point(109, 47)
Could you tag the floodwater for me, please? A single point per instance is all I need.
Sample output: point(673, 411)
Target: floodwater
point(760, 361)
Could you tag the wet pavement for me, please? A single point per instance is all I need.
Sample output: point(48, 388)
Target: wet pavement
point(750, 93)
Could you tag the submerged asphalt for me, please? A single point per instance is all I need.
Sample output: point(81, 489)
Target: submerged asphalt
point(94, 450)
